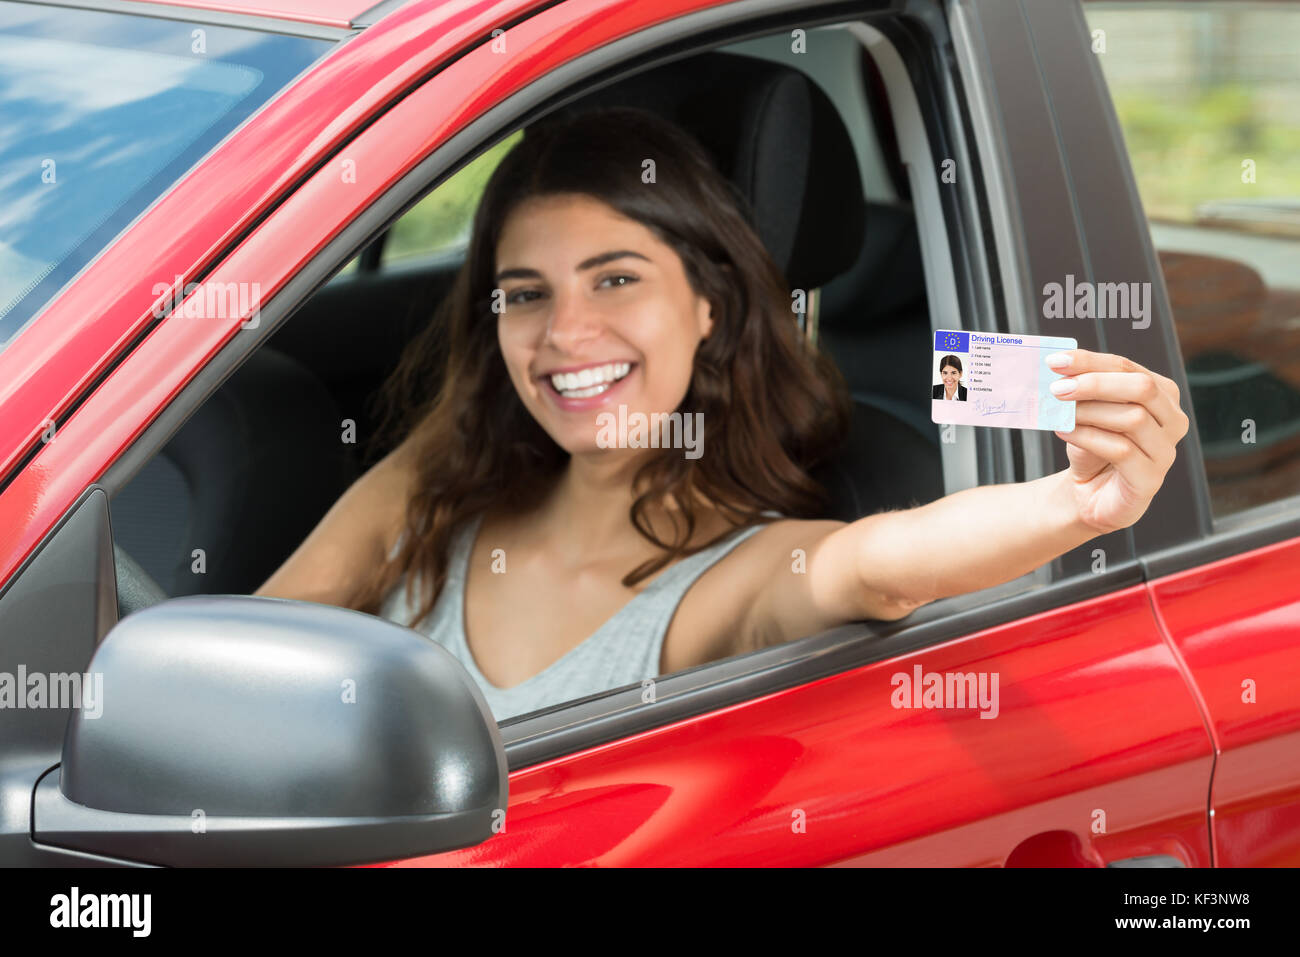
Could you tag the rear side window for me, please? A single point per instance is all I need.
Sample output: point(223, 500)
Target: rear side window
point(99, 114)
point(1208, 95)
point(440, 223)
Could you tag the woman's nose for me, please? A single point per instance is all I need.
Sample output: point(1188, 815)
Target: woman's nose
point(572, 322)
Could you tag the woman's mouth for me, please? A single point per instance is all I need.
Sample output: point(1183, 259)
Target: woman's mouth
point(589, 382)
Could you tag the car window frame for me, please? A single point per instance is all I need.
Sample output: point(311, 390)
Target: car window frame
point(581, 723)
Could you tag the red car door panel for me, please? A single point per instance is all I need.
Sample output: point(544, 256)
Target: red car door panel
point(1236, 623)
point(1095, 728)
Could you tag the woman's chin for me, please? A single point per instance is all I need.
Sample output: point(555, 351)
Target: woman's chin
point(592, 451)
point(609, 432)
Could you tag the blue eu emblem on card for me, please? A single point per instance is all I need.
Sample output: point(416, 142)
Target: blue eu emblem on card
point(949, 341)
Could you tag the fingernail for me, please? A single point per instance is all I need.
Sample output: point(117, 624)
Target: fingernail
point(1058, 360)
point(1062, 387)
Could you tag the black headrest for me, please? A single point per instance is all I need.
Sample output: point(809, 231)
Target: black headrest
point(778, 137)
point(887, 283)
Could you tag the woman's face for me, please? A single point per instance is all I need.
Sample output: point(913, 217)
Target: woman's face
point(596, 298)
point(950, 377)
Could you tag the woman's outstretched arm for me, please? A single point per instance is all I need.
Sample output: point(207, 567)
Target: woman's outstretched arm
point(1127, 423)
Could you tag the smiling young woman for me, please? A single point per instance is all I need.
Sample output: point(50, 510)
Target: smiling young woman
point(554, 565)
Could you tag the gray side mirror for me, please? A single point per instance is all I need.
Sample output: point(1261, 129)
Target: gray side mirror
point(235, 730)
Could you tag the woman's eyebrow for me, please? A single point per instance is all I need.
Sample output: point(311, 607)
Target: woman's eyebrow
point(522, 272)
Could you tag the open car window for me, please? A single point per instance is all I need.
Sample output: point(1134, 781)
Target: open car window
point(323, 369)
point(874, 314)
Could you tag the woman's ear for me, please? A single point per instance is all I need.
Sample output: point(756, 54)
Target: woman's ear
point(705, 317)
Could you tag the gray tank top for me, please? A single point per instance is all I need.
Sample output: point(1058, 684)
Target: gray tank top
point(625, 650)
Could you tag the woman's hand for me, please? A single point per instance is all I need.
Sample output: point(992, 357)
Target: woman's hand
point(1126, 424)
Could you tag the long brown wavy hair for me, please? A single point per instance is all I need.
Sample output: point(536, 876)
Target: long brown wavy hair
point(776, 407)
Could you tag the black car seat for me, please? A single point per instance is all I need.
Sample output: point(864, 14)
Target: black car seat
point(875, 321)
point(244, 480)
point(779, 138)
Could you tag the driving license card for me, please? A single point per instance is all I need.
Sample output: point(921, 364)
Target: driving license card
point(999, 379)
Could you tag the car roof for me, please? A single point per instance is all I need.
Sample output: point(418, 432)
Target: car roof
point(335, 13)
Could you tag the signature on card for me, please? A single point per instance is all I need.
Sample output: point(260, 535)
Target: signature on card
point(989, 407)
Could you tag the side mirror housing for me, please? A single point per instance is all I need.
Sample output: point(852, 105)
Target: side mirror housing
point(238, 730)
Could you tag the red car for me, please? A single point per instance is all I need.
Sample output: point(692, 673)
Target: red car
point(220, 224)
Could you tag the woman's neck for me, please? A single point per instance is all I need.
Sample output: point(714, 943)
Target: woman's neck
point(587, 508)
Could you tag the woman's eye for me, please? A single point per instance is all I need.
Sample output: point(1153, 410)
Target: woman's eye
point(515, 297)
point(525, 296)
point(630, 279)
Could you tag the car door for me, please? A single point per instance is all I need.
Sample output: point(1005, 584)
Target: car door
point(1066, 733)
point(1045, 722)
point(1227, 232)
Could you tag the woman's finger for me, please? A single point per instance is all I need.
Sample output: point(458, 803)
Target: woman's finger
point(1141, 473)
point(1084, 360)
point(1132, 420)
point(1136, 387)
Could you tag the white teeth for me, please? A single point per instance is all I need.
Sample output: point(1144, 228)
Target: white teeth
point(590, 381)
point(584, 393)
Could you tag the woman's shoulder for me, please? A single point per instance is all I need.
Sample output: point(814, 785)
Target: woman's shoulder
point(797, 529)
point(738, 555)
point(705, 626)
point(383, 492)
point(773, 544)
point(783, 545)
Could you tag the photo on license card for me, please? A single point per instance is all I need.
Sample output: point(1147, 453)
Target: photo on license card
point(997, 379)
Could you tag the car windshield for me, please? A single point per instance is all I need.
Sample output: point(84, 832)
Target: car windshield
point(100, 113)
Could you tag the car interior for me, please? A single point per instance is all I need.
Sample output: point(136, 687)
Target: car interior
point(248, 476)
